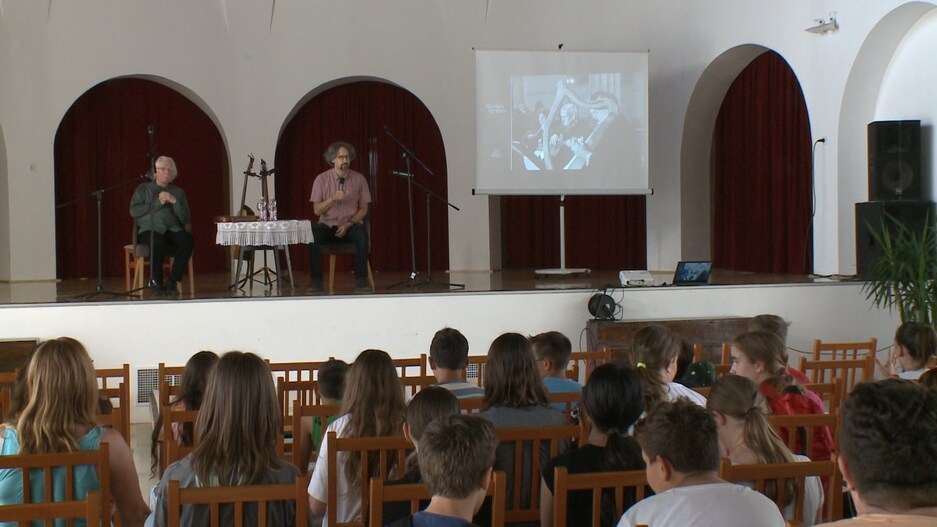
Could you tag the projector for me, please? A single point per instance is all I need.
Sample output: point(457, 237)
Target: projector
point(636, 279)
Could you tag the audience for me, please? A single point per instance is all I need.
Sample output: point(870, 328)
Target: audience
point(778, 326)
point(58, 417)
point(889, 456)
point(680, 447)
point(448, 356)
point(428, 405)
point(237, 427)
point(758, 356)
point(654, 350)
point(456, 457)
point(612, 401)
point(915, 346)
point(191, 390)
point(372, 406)
point(552, 351)
point(747, 439)
point(331, 383)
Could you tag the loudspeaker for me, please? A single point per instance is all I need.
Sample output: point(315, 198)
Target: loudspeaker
point(871, 216)
point(894, 160)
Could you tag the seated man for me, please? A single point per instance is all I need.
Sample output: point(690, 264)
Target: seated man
point(161, 209)
point(680, 447)
point(448, 354)
point(889, 455)
point(552, 351)
point(340, 198)
point(456, 459)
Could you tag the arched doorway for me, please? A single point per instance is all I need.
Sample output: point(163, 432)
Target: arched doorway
point(361, 113)
point(762, 168)
point(102, 143)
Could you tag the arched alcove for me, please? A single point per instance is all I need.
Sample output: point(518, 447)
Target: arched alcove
point(362, 112)
point(762, 172)
point(102, 143)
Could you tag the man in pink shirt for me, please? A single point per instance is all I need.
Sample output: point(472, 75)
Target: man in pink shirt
point(340, 198)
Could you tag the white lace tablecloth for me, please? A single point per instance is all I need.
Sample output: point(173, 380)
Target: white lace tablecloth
point(282, 232)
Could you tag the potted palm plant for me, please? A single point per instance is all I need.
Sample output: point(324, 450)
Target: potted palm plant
point(905, 276)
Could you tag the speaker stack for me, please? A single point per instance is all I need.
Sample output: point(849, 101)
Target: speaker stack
point(895, 188)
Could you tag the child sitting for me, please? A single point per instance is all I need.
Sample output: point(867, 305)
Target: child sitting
point(680, 447)
point(552, 351)
point(331, 382)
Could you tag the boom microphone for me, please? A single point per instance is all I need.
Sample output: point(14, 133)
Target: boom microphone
point(401, 174)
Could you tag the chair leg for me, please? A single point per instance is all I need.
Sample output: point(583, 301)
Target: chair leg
point(331, 273)
point(138, 268)
point(191, 277)
point(370, 275)
point(128, 263)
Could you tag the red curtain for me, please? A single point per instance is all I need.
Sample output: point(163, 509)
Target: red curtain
point(602, 232)
point(102, 143)
point(358, 113)
point(762, 173)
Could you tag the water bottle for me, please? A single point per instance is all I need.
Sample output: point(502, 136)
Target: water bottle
point(262, 209)
point(273, 210)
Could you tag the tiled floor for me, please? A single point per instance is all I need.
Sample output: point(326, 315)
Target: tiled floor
point(140, 444)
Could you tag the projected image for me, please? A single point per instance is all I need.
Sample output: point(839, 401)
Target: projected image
point(562, 122)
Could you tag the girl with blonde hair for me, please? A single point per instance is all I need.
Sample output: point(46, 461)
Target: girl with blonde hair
point(747, 438)
point(237, 429)
point(372, 405)
point(655, 350)
point(60, 417)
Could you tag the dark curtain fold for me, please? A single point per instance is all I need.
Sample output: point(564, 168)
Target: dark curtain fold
point(762, 173)
point(358, 113)
point(102, 142)
point(602, 232)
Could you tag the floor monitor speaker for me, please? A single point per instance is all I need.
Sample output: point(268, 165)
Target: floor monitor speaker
point(873, 215)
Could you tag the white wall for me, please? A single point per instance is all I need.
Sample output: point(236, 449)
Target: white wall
point(249, 65)
point(294, 329)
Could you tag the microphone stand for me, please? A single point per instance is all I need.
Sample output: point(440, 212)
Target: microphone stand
point(99, 197)
point(412, 282)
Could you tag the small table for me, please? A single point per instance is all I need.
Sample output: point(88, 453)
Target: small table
point(264, 235)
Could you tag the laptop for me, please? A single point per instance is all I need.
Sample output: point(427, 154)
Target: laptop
point(692, 273)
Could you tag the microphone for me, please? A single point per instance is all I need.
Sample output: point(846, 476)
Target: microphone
point(341, 184)
point(401, 174)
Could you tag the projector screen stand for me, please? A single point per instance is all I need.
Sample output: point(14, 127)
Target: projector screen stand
point(562, 270)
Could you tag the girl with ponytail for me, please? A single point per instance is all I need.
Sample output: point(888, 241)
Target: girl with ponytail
point(613, 399)
point(915, 346)
point(746, 438)
point(655, 350)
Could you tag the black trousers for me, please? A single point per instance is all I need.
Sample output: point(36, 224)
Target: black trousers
point(176, 244)
point(323, 234)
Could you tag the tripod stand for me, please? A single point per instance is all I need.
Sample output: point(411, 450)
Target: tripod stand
point(413, 282)
point(99, 197)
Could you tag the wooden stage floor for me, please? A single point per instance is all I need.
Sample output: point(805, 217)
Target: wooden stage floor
point(216, 286)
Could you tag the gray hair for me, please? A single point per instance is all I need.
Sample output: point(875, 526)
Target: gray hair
point(333, 149)
point(172, 165)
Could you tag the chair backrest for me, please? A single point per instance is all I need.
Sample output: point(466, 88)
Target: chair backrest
point(389, 451)
point(581, 363)
point(412, 367)
point(296, 371)
point(171, 450)
point(88, 509)
point(7, 383)
point(114, 385)
point(843, 350)
point(531, 448)
point(471, 405)
point(170, 380)
point(417, 492)
point(570, 402)
point(50, 466)
point(290, 393)
point(849, 371)
point(475, 369)
point(807, 429)
point(830, 392)
point(761, 474)
point(412, 385)
point(598, 483)
point(237, 506)
point(302, 449)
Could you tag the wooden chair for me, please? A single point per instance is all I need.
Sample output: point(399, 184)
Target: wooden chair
point(412, 385)
point(413, 367)
point(829, 392)
point(302, 451)
point(726, 364)
point(475, 368)
point(169, 380)
point(844, 350)
point(811, 425)
point(238, 506)
point(417, 492)
point(114, 385)
point(52, 468)
point(471, 406)
point(334, 249)
point(589, 360)
point(760, 474)
point(391, 452)
point(849, 371)
point(170, 450)
point(137, 259)
point(532, 448)
point(7, 383)
point(289, 393)
point(296, 371)
point(596, 483)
